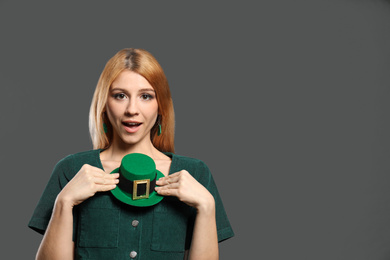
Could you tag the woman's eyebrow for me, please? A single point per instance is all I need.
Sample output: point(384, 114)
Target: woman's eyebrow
point(146, 89)
point(118, 89)
point(140, 90)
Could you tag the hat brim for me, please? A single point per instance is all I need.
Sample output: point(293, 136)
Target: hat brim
point(153, 199)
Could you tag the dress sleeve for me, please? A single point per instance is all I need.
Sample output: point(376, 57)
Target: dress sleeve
point(224, 228)
point(58, 179)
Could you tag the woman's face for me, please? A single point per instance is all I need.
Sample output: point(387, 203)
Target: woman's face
point(132, 108)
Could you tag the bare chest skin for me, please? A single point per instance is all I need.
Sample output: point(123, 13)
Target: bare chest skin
point(109, 166)
point(161, 165)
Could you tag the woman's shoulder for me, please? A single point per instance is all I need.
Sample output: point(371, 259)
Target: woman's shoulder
point(85, 155)
point(80, 158)
point(193, 165)
point(187, 159)
point(196, 167)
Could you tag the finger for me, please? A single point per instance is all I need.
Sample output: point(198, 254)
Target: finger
point(112, 175)
point(102, 188)
point(167, 180)
point(106, 180)
point(168, 191)
point(174, 185)
point(162, 181)
point(103, 181)
point(100, 172)
point(174, 174)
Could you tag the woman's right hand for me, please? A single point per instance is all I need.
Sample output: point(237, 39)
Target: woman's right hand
point(86, 183)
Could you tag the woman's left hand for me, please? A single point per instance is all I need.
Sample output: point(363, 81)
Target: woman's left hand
point(188, 190)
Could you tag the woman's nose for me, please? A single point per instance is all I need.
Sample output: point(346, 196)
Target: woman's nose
point(132, 107)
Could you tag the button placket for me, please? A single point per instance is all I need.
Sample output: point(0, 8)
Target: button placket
point(135, 234)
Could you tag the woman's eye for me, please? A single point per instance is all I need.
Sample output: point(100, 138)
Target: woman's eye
point(146, 96)
point(119, 96)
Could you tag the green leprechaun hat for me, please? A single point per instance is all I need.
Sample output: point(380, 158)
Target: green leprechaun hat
point(137, 180)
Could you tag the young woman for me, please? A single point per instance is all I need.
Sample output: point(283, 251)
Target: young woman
point(131, 112)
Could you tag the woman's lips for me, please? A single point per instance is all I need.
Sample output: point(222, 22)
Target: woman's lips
point(131, 127)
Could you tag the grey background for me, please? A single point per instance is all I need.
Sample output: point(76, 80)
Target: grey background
point(286, 101)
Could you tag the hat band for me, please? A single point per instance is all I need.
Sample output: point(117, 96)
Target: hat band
point(138, 189)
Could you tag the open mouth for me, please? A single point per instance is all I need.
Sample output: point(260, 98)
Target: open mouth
point(131, 124)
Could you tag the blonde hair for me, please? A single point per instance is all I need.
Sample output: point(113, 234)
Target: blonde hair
point(143, 63)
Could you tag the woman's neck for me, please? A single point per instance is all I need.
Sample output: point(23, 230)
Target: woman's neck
point(118, 150)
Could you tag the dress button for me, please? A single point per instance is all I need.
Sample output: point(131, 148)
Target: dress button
point(133, 254)
point(135, 223)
